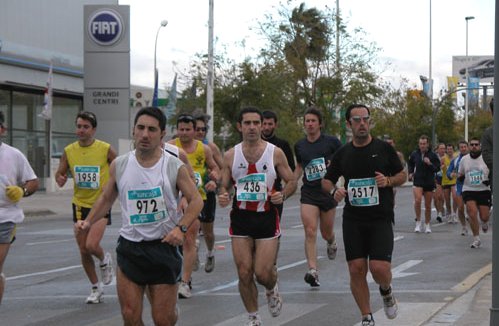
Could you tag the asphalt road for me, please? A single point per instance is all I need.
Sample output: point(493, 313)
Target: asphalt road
point(46, 284)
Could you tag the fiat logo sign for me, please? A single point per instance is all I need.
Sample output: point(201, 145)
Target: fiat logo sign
point(105, 27)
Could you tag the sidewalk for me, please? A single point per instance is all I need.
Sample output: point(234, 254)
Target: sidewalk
point(471, 306)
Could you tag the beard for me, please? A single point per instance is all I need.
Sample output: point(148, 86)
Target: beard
point(475, 154)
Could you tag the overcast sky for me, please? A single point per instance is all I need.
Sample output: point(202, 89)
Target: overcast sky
point(399, 27)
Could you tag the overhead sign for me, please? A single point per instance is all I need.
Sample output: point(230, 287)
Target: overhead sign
point(478, 66)
point(105, 27)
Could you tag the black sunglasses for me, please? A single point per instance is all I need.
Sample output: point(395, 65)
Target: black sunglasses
point(185, 118)
point(474, 144)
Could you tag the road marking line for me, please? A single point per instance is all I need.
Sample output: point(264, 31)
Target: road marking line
point(44, 273)
point(398, 272)
point(291, 311)
point(409, 314)
point(234, 283)
point(47, 242)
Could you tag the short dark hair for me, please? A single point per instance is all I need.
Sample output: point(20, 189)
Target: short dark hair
point(154, 112)
point(203, 119)
point(462, 141)
point(355, 106)
point(249, 109)
point(89, 116)
point(315, 111)
point(270, 115)
point(186, 118)
point(425, 137)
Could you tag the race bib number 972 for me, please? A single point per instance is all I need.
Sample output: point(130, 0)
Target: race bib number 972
point(146, 206)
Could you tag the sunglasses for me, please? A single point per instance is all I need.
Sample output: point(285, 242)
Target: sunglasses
point(358, 119)
point(185, 118)
point(474, 144)
point(201, 129)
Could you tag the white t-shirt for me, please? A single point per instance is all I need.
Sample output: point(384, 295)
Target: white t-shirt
point(475, 172)
point(14, 171)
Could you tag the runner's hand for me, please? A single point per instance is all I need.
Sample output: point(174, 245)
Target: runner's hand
point(224, 199)
point(340, 194)
point(276, 198)
point(14, 193)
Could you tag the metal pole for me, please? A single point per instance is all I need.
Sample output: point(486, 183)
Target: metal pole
point(209, 85)
point(467, 99)
point(163, 24)
point(430, 93)
point(494, 310)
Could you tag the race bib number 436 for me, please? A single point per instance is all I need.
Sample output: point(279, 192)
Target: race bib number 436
point(363, 192)
point(252, 187)
point(146, 206)
point(87, 177)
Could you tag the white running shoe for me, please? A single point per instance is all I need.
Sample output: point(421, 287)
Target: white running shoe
point(417, 229)
point(332, 249)
point(254, 321)
point(427, 228)
point(184, 290)
point(464, 231)
point(106, 269)
point(274, 301)
point(209, 266)
point(95, 296)
point(476, 244)
point(389, 303)
point(485, 227)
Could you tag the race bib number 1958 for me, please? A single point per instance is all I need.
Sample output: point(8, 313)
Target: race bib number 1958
point(87, 177)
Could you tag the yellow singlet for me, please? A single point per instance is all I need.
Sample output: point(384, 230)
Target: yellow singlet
point(197, 159)
point(90, 171)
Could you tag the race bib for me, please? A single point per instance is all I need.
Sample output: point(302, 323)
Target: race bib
point(146, 206)
point(315, 169)
point(87, 177)
point(198, 179)
point(476, 177)
point(252, 187)
point(363, 192)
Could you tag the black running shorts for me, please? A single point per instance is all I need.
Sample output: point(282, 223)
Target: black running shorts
point(256, 225)
point(81, 213)
point(318, 198)
point(149, 262)
point(371, 239)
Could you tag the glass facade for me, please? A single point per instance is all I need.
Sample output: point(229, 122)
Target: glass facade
point(30, 133)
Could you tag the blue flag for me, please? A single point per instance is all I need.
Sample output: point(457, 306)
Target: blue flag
point(172, 99)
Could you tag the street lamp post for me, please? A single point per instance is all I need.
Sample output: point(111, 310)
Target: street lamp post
point(155, 95)
point(467, 99)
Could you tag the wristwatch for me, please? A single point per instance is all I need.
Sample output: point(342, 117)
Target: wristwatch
point(25, 192)
point(182, 227)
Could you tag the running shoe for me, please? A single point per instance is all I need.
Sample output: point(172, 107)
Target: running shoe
point(209, 266)
point(95, 296)
point(184, 290)
point(417, 229)
point(389, 303)
point(274, 301)
point(254, 321)
point(439, 219)
point(485, 227)
point(476, 244)
point(427, 228)
point(368, 320)
point(106, 269)
point(464, 231)
point(312, 278)
point(332, 248)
